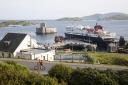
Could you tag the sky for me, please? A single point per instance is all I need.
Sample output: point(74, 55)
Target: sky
point(53, 9)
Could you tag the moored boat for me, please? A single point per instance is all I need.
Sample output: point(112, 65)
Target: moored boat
point(96, 35)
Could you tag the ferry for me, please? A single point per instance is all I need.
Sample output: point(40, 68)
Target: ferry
point(96, 35)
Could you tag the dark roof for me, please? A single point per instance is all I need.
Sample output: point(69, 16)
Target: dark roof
point(11, 41)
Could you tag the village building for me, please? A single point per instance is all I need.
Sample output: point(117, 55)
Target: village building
point(19, 45)
point(36, 53)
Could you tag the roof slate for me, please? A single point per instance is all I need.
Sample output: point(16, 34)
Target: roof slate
point(11, 41)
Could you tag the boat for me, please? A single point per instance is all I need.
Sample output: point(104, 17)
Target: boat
point(95, 35)
point(43, 29)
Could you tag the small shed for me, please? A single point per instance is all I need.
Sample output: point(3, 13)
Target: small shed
point(36, 53)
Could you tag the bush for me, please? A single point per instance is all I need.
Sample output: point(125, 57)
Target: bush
point(14, 74)
point(61, 72)
point(89, 59)
point(123, 77)
point(11, 62)
point(35, 79)
point(90, 77)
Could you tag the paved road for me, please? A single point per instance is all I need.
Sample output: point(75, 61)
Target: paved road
point(31, 63)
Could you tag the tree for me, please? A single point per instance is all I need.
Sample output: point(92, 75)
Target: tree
point(121, 41)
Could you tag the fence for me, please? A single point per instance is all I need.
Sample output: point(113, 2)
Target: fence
point(69, 58)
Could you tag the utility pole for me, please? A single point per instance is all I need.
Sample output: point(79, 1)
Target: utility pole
point(72, 45)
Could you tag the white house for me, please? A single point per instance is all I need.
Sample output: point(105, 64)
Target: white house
point(14, 44)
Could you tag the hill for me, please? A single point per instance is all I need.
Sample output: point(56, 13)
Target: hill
point(69, 19)
point(107, 16)
point(14, 22)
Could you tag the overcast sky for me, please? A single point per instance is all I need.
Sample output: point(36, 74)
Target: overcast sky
point(52, 9)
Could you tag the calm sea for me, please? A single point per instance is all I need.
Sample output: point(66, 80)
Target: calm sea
point(120, 27)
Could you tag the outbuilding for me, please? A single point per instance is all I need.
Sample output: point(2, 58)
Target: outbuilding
point(36, 54)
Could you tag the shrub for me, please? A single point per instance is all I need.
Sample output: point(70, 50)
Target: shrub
point(61, 72)
point(91, 77)
point(11, 62)
point(35, 79)
point(14, 74)
point(89, 59)
point(123, 77)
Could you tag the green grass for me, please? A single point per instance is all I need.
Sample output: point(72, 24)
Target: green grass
point(102, 57)
point(110, 58)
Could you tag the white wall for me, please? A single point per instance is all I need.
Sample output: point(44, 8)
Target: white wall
point(48, 56)
point(23, 56)
point(27, 43)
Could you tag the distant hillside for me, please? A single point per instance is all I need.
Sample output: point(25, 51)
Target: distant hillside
point(69, 19)
point(14, 22)
point(107, 16)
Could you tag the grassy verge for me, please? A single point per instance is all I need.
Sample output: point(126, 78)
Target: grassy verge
point(110, 58)
point(102, 57)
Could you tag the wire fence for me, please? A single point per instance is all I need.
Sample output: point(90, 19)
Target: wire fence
point(69, 58)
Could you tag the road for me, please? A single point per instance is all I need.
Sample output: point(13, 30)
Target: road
point(31, 63)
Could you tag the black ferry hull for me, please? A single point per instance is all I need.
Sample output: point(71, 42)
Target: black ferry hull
point(89, 39)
